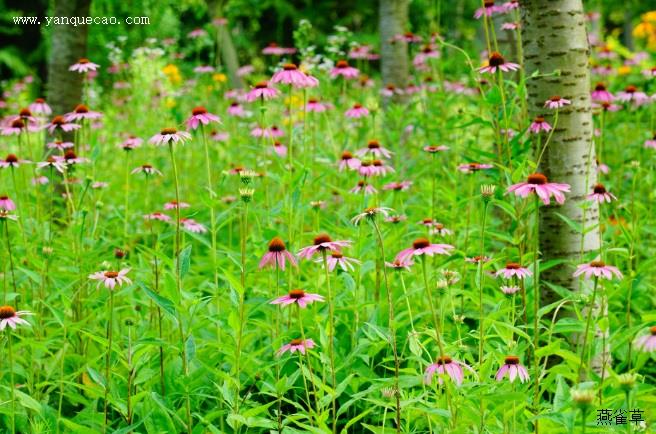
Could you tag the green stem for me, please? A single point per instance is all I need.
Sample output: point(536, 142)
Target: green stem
point(331, 334)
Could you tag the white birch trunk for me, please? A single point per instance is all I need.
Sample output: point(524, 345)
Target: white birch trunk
point(393, 18)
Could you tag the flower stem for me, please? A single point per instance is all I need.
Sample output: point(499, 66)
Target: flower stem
point(12, 382)
point(331, 334)
point(587, 327)
point(110, 320)
point(536, 308)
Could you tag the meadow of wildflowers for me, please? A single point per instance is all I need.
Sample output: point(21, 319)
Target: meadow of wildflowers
point(321, 251)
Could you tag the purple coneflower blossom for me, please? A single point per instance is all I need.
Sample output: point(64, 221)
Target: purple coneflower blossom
point(245, 70)
point(274, 50)
point(203, 69)
point(605, 52)
point(513, 369)
point(83, 65)
point(269, 133)
point(6, 203)
point(446, 365)
point(398, 186)
point(40, 180)
point(279, 149)
point(199, 115)
point(70, 157)
point(290, 74)
point(321, 244)
point(631, 94)
point(131, 143)
point(99, 184)
point(277, 255)
point(607, 106)
point(219, 136)
point(509, 290)
point(432, 149)
point(173, 205)
point(80, 113)
point(651, 72)
point(439, 229)
point(296, 345)
point(647, 343)
point(370, 213)
point(313, 105)
point(556, 102)
point(299, 297)
point(343, 69)
point(337, 258)
point(10, 317)
point(365, 187)
point(158, 216)
point(602, 168)
point(146, 169)
point(12, 161)
point(600, 194)
point(477, 259)
point(396, 218)
point(513, 269)
point(374, 148)
point(348, 161)
point(59, 145)
point(356, 112)
point(169, 136)
point(261, 91)
point(597, 269)
point(473, 167)
point(497, 62)
point(52, 163)
point(59, 123)
point(488, 9)
point(600, 94)
point(40, 107)
point(236, 109)
point(111, 278)
point(196, 33)
point(538, 125)
point(539, 184)
point(378, 168)
point(400, 265)
point(192, 226)
point(422, 246)
point(510, 26)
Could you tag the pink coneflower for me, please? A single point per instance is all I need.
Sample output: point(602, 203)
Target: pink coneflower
point(236, 109)
point(439, 229)
point(600, 195)
point(274, 50)
point(497, 62)
point(173, 205)
point(370, 213)
point(422, 246)
point(510, 26)
point(396, 218)
point(651, 72)
point(356, 112)
point(400, 265)
point(131, 143)
point(365, 187)
point(427, 52)
point(651, 143)
point(81, 112)
point(337, 258)
point(278, 255)
point(477, 259)
point(192, 226)
point(378, 168)
point(196, 33)
point(313, 105)
point(556, 102)
point(170, 135)
point(59, 145)
point(631, 94)
point(290, 74)
point(99, 184)
point(40, 107)
point(158, 216)
point(219, 136)
point(539, 184)
point(446, 365)
point(322, 243)
point(390, 90)
point(488, 9)
point(602, 168)
point(12, 161)
point(52, 163)
point(59, 123)
point(509, 290)
point(279, 149)
point(10, 317)
point(601, 94)
point(513, 269)
point(427, 222)
point(348, 161)
point(605, 52)
point(374, 148)
point(597, 269)
point(647, 343)
point(343, 69)
point(70, 157)
point(359, 52)
point(538, 125)
point(272, 132)
point(261, 91)
point(6, 203)
point(607, 106)
point(473, 167)
point(432, 149)
point(203, 69)
point(296, 345)
point(40, 180)
point(111, 278)
point(245, 70)
point(398, 186)
point(514, 369)
point(199, 115)
point(83, 65)
point(299, 297)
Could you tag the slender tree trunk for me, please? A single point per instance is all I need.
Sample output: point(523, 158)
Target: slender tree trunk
point(225, 49)
point(556, 46)
point(69, 44)
point(393, 20)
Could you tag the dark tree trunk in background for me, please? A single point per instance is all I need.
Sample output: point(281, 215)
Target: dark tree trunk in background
point(555, 39)
point(393, 21)
point(69, 44)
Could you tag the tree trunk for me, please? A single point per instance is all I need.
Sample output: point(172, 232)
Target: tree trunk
point(229, 55)
point(69, 44)
point(393, 20)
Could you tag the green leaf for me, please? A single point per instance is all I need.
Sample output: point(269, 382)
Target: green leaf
point(185, 261)
point(576, 226)
point(190, 347)
point(163, 302)
point(27, 401)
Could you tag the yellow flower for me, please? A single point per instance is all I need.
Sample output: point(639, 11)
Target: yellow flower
point(624, 70)
point(169, 103)
point(173, 73)
point(649, 16)
point(643, 30)
point(220, 77)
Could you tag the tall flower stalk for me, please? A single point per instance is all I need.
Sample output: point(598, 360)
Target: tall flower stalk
point(331, 337)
